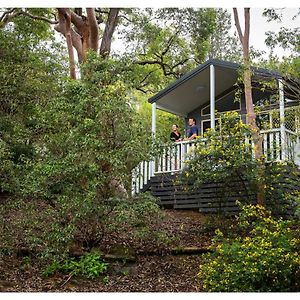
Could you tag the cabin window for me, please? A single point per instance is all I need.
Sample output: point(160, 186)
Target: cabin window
point(205, 124)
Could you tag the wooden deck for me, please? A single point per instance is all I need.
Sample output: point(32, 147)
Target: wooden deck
point(171, 192)
point(160, 175)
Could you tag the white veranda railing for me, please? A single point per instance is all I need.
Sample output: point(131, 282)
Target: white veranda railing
point(173, 158)
point(280, 148)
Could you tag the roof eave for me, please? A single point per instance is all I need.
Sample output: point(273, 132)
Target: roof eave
point(216, 62)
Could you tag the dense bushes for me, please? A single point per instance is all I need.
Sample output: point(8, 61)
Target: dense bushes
point(225, 158)
point(282, 188)
point(49, 232)
point(30, 75)
point(263, 255)
point(6, 168)
point(76, 188)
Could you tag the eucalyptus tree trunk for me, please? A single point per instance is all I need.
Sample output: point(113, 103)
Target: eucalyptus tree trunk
point(64, 17)
point(108, 32)
point(84, 31)
point(251, 115)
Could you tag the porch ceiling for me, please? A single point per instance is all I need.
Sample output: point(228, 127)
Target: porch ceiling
point(193, 89)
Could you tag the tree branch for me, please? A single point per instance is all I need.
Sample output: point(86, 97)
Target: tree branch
point(237, 25)
point(108, 31)
point(163, 66)
point(147, 62)
point(94, 30)
point(6, 13)
point(7, 16)
point(170, 41)
point(77, 20)
point(76, 38)
point(41, 18)
point(124, 17)
point(64, 16)
point(144, 79)
point(247, 26)
point(180, 63)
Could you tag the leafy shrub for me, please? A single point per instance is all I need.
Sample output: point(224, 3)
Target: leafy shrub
point(50, 230)
point(7, 168)
point(90, 265)
point(264, 256)
point(77, 187)
point(30, 75)
point(282, 188)
point(225, 158)
point(295, 197)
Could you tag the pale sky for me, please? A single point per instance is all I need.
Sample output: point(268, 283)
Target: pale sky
point(259, 25)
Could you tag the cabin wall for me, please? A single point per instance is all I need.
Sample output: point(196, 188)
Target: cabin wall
point(197, 113)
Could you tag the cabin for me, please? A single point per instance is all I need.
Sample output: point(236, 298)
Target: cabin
point(205, 93)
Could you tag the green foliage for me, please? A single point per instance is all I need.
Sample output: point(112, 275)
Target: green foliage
point(225, 155)
point(31, 30)
point(282, 186)
point(75, 187)
point(262, 257)
point(90, 265)
point(92, 137)
point(289, 64)
point(26, 263)
point(164, 121)
point(30, 74)
point(222, 45)
point(7, 168)
point(286, 38)
point(166, 43)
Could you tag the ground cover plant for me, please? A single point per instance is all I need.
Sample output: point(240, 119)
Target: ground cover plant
point(261, 256)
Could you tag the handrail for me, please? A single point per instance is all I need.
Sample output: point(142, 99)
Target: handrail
point(198, 139)
point(270, 130)
point(291, 132)
point(174, 155)
point(276, 130)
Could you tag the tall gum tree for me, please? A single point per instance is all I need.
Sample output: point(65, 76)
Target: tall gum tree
point(80, 27)
point(251, 115)
point(82, 31)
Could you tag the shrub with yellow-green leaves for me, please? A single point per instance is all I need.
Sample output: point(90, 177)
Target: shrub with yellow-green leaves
point(226, 159)
point(263, 256)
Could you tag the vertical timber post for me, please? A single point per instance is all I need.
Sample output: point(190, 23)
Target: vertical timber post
point(153, 128)
point(282, 121)
point(153, 131)
point(212, 96)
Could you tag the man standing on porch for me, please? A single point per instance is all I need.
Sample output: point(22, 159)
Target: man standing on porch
point(193, 130)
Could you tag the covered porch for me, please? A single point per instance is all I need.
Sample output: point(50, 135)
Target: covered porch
point(174, 157)
point(204, 93)
point(212, 89)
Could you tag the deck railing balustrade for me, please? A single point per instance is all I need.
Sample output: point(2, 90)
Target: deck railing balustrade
point(173, 157)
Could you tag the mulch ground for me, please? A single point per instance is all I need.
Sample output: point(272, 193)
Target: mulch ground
point(147, 274)
point(150, 272)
